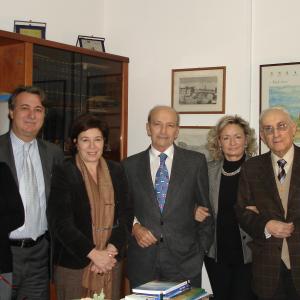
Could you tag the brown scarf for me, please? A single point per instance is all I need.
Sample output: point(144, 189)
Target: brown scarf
point(101, 197)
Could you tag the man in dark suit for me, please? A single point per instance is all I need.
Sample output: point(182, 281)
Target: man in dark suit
point(31, 161)
point(166, 183)
point(269, 208)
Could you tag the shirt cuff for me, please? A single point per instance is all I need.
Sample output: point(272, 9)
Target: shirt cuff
point(267, 234)
point(135, 221)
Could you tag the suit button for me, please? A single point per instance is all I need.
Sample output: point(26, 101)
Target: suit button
point(161, 223)
point(244, 237)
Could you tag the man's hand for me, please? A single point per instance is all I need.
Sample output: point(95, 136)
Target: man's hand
point(280, 229)
point(201, 213)
point(143, 236)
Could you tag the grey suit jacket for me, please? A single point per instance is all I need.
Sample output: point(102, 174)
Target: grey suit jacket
point(214, 175)
point(258, 187)
point(187, 239)
point(50, 155)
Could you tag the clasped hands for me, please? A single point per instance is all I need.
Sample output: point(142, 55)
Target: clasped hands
point(103, 260)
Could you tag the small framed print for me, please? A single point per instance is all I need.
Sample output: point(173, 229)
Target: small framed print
point(30, 28)
point(91, 42)
point(280, 86)
point(199, 90)
point(194, 138)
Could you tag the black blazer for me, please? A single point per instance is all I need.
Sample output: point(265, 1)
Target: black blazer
point(69, 216)
point(11, 215)
point(187, 239)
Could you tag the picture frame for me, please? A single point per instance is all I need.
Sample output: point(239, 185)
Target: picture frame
point(199, 90)
point(91, 42)
point(31, 28)
point(194, 138)
point(280, 86)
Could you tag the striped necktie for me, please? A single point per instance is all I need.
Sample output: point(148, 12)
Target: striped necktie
point(281, 174)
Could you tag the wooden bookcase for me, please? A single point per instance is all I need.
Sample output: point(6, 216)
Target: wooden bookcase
point(76, 80)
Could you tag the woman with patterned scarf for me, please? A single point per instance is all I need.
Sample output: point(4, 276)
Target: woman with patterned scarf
point(87, 212)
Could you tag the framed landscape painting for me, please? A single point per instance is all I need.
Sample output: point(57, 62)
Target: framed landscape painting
point(280, 86)
point(193, 138)
point(199, 90)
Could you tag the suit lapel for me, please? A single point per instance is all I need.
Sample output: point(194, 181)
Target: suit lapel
point(8, 156)
point(144, 175)
point(178, 175)
point(45, 161)
point(294, 195)
point(266, 168)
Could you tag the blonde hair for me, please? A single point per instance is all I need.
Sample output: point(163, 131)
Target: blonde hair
point(214, 134)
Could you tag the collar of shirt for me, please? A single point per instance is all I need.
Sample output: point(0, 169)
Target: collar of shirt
point(288, 157)
point(155, 160)
point(17, 146)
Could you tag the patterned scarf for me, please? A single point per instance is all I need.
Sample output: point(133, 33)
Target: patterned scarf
point(101, 197)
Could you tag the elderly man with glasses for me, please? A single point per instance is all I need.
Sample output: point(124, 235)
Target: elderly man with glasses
point(269, 208)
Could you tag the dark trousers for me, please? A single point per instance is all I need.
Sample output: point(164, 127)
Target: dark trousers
point(286, 289)
point(166, 268)
point(31, 272)
point(228, 281)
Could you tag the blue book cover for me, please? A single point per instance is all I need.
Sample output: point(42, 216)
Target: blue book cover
point(159, 287)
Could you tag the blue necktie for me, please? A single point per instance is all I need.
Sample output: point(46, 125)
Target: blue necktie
point(162, 181)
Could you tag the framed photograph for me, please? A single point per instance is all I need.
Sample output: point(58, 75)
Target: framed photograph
point(199, 90)
point(30, 28)
point(91, 42)
point(193, 138)
point(280, 86)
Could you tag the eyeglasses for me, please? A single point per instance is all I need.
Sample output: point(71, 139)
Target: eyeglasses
point(281, 127)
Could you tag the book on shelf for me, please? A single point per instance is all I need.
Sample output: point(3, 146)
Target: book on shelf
point(192, 294)
point(141, 297)
point(165, 288)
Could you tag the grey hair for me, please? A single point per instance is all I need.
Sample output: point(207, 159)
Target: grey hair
point(273, 108)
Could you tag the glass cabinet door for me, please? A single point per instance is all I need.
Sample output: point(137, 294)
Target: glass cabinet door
point(77, 83)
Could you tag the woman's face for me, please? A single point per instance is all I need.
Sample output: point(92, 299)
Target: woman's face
point(90, 145)
point(232, 140)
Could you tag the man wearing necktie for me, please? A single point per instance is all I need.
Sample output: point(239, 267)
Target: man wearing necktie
point(31, 161)
point(269, 208)
point(166, 183)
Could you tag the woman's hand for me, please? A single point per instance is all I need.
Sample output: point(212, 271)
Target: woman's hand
point(103, 260)
point(201, 213)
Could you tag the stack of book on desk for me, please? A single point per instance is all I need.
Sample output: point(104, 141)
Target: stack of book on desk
point(157, 290)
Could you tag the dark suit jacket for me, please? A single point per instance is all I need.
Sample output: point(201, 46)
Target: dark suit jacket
point(50, 155)
point(11, 215)
point(187, 239)
point(258, 187)
point(69, 215)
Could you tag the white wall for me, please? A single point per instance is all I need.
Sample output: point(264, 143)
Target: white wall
point(275, 40)
point(159, 36)
point(65, 19)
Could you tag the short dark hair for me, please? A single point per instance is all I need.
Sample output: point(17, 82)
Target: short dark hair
point(85, 122)
point(26, 89)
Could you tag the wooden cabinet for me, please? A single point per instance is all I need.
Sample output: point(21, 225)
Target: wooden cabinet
point(76, 80)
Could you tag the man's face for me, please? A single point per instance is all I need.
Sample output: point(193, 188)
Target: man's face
point(27, 116)
point(277, 132)
point(163, 128)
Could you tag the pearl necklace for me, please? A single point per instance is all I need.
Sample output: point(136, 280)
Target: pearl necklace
point(231, 173)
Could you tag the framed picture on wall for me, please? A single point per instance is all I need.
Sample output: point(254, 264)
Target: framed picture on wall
point(30, 28)
point(280, 86)
point(193, 138)
point(199, 90)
